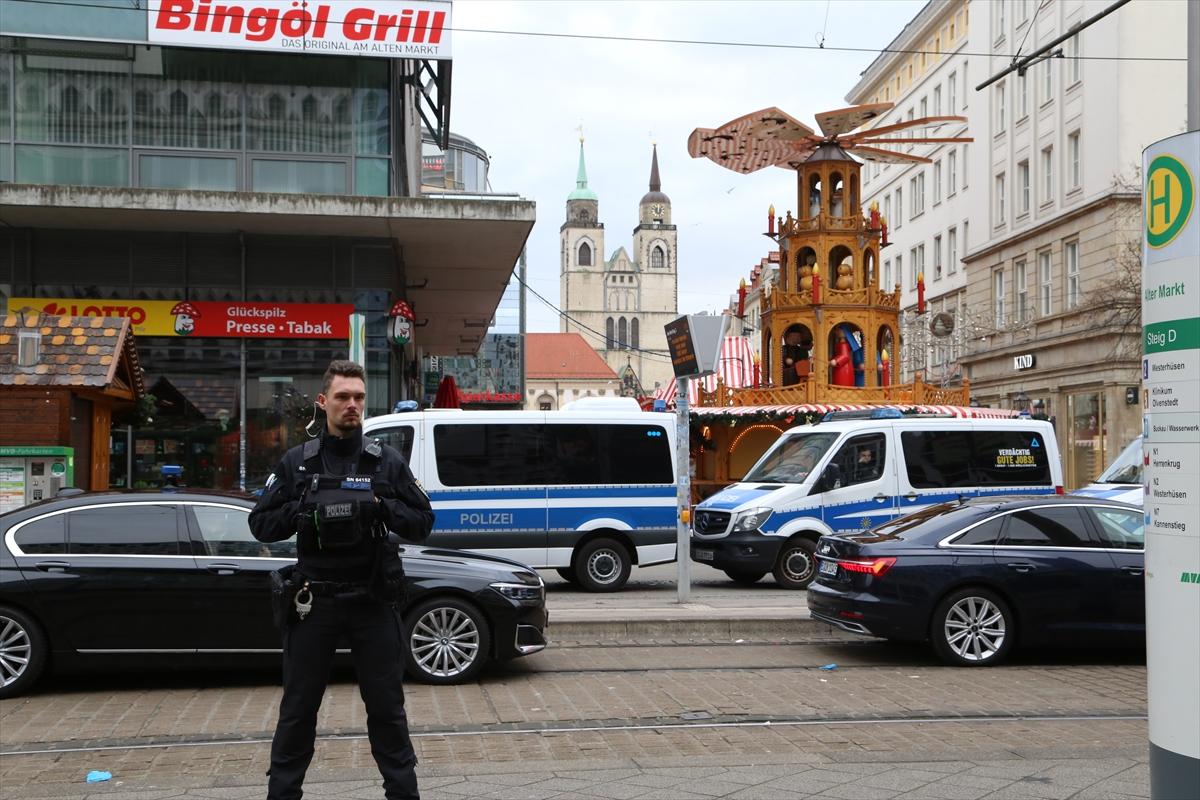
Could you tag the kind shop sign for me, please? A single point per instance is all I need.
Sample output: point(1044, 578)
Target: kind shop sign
point(199, 318)
point(382, 28)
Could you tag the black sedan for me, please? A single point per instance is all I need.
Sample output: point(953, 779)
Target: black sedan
point(975, 578)
point(145, 579)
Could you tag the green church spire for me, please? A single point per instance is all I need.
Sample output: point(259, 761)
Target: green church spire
point(582, 192)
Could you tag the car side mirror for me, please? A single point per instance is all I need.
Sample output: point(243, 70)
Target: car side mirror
point(831, 478)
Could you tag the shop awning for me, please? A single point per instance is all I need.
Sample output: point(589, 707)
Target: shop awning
point(458, 253)
point(778, 412)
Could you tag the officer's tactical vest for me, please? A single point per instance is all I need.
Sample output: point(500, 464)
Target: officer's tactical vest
point(331, 515)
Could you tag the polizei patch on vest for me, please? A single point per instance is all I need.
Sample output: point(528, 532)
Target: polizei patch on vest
point(339, 511)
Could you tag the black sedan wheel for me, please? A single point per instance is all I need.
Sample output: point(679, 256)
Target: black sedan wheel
point(448, 641)
point(22, 652)
point(796, 565)
point(972, 628)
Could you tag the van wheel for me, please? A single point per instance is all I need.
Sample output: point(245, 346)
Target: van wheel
point(23, 651)
point(602, 565)
point(448, 641)
point(744, 576)
point(568, 575)
point(972, 628)
point(796, 565)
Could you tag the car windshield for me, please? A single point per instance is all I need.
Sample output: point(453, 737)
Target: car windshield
point(792, 459)
point(1125, 468)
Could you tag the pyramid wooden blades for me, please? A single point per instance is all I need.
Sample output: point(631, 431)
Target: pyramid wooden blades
point(843, 120)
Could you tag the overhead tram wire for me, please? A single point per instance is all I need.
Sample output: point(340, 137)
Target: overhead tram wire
point(602, 336)
point(705, 42)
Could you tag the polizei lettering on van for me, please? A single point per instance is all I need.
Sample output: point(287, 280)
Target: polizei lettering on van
point(490, 518)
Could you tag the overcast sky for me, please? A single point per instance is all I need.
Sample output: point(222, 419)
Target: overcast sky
point(522, 98)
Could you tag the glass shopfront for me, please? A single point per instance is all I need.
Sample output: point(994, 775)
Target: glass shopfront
point(1087, 438)
point(174, 118)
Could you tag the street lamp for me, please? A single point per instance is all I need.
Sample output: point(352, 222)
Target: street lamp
point(1022, 402)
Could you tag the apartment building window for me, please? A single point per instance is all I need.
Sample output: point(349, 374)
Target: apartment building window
point(909, 117)
point(887, 208)
point(1000, 109)
point(952, 93)
point(937, 101)
point(1022, 96)
point(952, 251)
point(916, 188)
point(952, 173)
point(1022, 10)
point(1001, 21)
point(899, 208)
point(998, 297)
point(937, 182)
point(966, 165)
point(1001, 216)
point(1071, 257)
point(1047, 174)
point(899, 276)
point(937, 258)
point(917, 266)
point(1045, 284)
point(1073, 58)
point(1023, 186)
point(1047, 80)
point(887, 276)
point(966, 236)
point(924, 107)
point(966, 85)
point(1073, 156)
point(1023, 308)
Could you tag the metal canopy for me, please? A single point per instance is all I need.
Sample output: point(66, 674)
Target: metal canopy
point(458, 255)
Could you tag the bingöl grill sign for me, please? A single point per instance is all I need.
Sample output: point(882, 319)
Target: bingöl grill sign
point(394, 28)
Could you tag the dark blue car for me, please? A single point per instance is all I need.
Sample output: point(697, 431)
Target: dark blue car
point(978, 577)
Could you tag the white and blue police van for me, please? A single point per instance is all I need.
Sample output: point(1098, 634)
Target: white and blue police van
point(588, 490)
point(858, 469)
point(1122, 480)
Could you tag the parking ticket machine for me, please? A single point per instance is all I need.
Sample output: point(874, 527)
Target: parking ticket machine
point(30, 474)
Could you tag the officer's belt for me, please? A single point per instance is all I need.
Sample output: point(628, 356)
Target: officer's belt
point(331, 588)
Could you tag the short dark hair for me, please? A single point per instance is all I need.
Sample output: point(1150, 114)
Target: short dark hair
point(345, 368)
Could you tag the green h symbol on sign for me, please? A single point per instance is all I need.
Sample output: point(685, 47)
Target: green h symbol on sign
point(1160, 198)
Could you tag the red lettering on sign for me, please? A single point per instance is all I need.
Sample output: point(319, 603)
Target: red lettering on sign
point(173, 15)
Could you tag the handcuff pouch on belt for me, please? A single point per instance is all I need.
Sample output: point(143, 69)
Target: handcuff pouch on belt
point(332, 513)
point(284, 588)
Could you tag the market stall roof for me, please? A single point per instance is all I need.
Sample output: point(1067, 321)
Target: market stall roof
point(737, 369)
point(778, 412)
point(86, 353)
point(458, 253)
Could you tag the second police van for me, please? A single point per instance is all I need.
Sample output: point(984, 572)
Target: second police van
point(857, 470)
point(588, 490)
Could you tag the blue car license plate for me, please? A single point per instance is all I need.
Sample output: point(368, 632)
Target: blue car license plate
point(827, 567)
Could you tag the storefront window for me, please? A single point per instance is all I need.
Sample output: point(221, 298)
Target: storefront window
point(187, 98)
point(1085, 452)
point(308, 177)
point(72, 166)
point(72, 100)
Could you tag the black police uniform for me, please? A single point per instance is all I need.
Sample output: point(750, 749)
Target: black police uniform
point(341, 605)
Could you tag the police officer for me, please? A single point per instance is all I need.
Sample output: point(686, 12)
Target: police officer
point(340, 495)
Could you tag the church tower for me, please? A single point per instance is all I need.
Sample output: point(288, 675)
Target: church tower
point(581, 260)
point(621, 304)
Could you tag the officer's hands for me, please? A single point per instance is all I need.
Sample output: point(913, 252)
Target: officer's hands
point(370, 510)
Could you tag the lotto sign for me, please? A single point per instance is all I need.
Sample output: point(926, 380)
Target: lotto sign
point(1170, 196)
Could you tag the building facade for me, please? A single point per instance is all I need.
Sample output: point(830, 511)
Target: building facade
point(238, 202)
point(1054, 263)
point(924, 72)
point(563, 367)
point(621, 303)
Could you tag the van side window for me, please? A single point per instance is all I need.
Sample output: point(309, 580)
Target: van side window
point(399, 437)
point(937, 459)
point(607, 454)
point(489, 455)
point(1010, 458)
point(860, 459)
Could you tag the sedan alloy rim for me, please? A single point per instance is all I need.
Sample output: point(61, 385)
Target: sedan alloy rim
point(14, 651)
point(445, 642)
point(974, 629)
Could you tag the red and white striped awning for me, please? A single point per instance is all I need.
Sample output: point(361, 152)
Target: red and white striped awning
point(967, 412)
point(736, 368)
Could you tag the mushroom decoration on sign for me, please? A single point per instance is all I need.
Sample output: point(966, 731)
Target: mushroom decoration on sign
point(400, 323)
point(186, 315)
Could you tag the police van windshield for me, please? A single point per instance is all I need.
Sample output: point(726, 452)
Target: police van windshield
point(1127, 467)
point(792, 459)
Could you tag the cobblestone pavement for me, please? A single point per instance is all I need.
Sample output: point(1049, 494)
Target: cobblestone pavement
point(632, 708)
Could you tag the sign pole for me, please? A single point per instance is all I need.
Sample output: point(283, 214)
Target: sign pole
point(683, 497)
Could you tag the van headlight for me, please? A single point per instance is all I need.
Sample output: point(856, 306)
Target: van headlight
point(523, 593)
point(751, 519)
